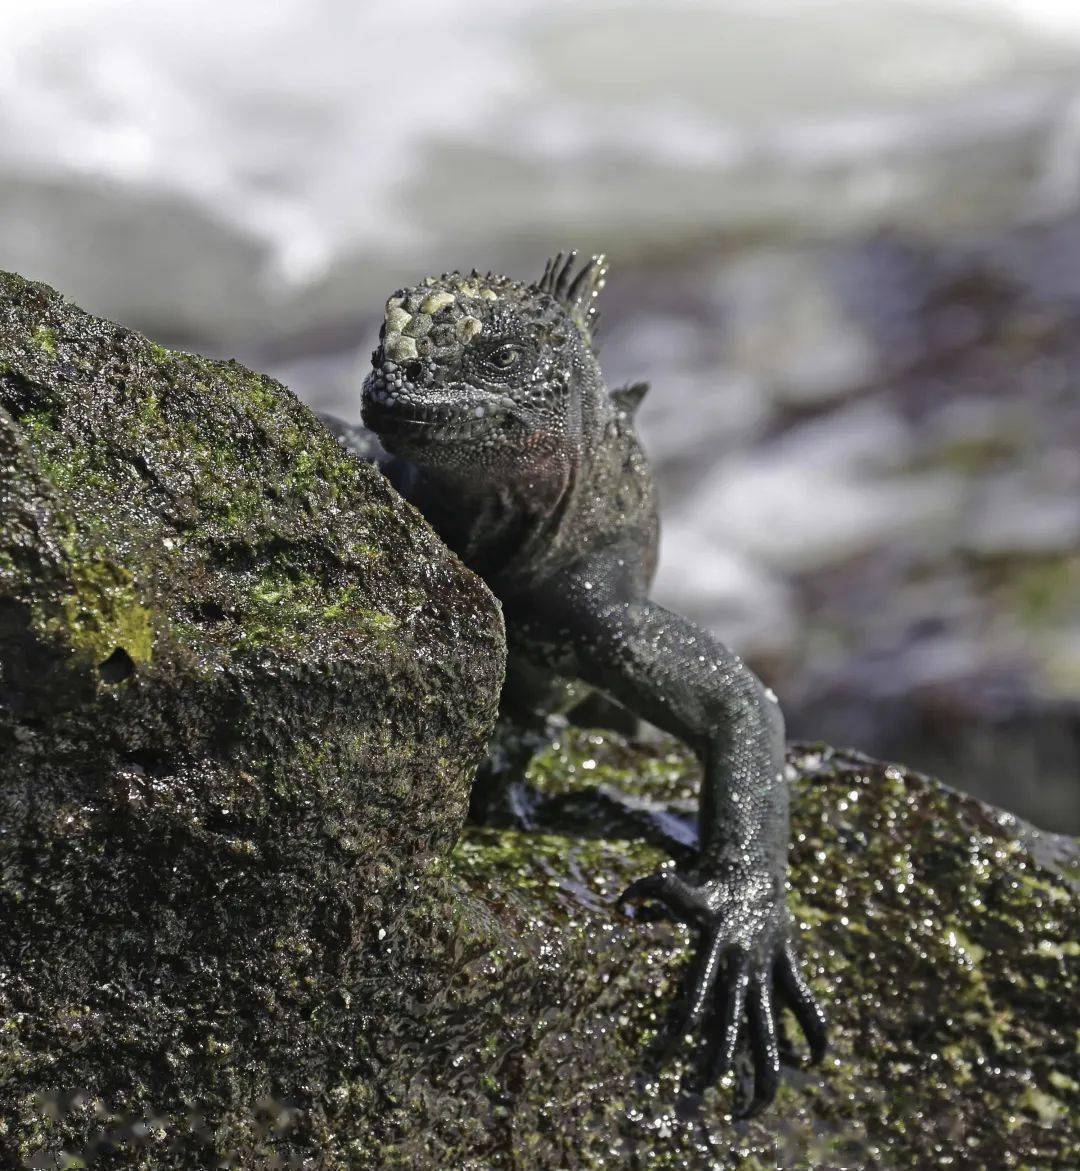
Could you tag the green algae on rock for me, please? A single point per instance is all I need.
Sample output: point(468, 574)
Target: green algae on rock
point(503, 1019)
point(243, 688)
point(942, 934)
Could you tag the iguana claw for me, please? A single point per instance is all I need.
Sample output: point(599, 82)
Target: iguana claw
point(744, 968)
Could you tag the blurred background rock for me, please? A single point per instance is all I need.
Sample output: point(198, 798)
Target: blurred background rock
point(846, 247)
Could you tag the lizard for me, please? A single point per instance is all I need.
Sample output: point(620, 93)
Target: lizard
point(488, 395)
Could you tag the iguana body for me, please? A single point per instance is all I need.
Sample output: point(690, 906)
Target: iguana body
point(489, 395)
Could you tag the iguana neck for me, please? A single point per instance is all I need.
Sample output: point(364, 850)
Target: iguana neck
point(510, 528)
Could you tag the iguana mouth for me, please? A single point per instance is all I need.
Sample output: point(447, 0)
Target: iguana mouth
point(379, 416)
point(427, 423)
point(458, 411)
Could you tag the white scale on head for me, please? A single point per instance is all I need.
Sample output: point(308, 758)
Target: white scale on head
point(403, 327)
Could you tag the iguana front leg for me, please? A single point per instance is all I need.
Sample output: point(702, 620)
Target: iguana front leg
point(587, 622)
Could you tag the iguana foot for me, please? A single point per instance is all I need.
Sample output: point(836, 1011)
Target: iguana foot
point(745, 968)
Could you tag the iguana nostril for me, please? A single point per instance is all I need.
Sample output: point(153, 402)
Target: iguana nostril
point(412, 371)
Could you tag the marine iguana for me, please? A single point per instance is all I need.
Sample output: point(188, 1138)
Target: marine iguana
point(488, 394)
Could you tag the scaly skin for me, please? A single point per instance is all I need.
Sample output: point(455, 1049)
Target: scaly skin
point(489, 396)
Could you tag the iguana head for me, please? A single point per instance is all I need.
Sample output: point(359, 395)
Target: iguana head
point(474, 374)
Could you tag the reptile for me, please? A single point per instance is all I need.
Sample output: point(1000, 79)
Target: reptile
point(488, 395)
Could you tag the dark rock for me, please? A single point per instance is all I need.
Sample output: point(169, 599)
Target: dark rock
point(504, 1019)
point(242, 691)
point(941, 933)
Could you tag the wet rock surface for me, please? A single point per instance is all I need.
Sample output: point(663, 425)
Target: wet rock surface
point(242, 691)
point(504, 1018)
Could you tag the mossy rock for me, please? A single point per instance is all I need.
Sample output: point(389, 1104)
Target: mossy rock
point(492, 1009)
point(243, 689)
point(942, 935)
point(503, 1018)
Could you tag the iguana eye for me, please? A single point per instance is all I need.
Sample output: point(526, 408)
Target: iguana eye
point(504, 358)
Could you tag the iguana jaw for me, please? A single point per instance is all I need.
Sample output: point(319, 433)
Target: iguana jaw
point(404, 415)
